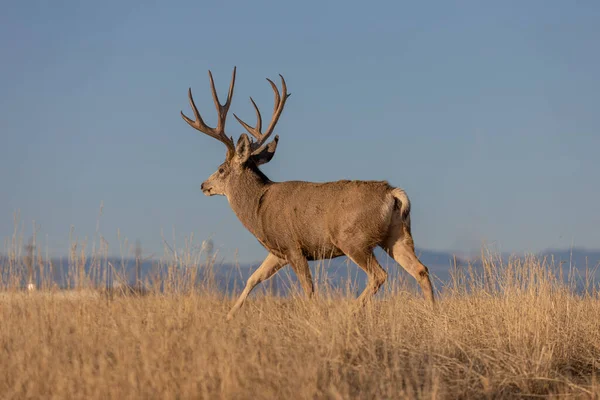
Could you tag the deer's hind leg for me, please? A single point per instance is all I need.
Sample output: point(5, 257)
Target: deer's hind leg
point(400, 246)
point(366, 260)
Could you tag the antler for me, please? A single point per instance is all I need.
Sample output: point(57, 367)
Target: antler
point(277, 109)
point(222, 109)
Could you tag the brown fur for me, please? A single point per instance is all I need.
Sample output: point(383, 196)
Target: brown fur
point(299, 221)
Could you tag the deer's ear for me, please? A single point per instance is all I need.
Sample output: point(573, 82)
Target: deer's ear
point(266, 153)
point(242, 149)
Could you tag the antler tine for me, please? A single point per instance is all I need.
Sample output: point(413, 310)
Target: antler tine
point(222, 108)
point(277, 96)
point(279, 103)
point(231, 85)
point(215, 97)
point(199, 124)
point(258, 116)
point(256, 130)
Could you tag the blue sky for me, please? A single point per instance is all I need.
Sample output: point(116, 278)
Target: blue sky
point(486, 114)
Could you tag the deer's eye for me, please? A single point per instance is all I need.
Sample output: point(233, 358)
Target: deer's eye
point(221, 170)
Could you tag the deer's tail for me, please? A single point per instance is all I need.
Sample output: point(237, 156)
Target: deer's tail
point(404, 202)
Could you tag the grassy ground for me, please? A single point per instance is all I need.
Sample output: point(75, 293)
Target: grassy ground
point(512, 330)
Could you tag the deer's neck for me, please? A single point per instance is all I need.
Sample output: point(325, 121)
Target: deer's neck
point(245, 198)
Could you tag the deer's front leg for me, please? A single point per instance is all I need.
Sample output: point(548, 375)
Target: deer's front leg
point(267, 269)
point(300, 266)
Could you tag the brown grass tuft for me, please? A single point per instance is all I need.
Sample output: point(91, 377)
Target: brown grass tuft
point(512, 330)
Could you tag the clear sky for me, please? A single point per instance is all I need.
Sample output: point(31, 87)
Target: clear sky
point(486, 113)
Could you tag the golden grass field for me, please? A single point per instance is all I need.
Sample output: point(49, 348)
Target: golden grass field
point(511, 330)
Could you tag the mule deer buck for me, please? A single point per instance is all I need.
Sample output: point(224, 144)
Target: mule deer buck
point(299, 221)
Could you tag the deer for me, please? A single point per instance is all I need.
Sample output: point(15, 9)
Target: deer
point(298, 221)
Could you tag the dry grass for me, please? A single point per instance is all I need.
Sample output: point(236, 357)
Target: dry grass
point(512, 330)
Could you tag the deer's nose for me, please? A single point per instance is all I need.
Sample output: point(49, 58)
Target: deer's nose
point(202, 186)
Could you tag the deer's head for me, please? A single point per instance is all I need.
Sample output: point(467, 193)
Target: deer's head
point(247, 154)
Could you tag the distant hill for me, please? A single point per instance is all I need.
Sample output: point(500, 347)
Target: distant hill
point(578, 257)
point(336, 272)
